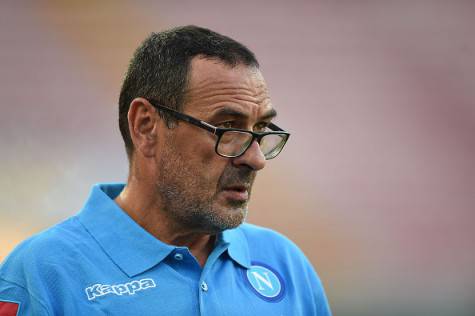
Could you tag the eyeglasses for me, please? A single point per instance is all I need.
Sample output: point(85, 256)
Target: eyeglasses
point(233, 142)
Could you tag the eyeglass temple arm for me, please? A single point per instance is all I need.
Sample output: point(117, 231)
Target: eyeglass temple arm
point(274, 127)
point(185, 117)
point(199, 123)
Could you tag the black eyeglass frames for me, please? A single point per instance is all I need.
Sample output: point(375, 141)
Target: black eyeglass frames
point(233, 142)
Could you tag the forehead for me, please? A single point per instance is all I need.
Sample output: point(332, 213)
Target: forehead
point(213, 85)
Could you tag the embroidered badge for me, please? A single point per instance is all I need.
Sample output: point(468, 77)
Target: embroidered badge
point(265, 282)
point(8, 308)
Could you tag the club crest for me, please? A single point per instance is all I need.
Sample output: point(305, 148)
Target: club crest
point(265, 282)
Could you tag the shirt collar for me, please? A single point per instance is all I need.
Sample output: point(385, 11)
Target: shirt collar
point(131, 247)
point(238, 248)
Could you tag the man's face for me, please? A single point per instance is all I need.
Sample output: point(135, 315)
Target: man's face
point(200, 190)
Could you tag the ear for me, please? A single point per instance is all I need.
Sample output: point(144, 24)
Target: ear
point(143, 126)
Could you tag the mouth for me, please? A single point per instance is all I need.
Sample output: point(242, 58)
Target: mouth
point(236, 192)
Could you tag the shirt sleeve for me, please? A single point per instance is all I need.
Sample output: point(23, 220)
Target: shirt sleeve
point(17, 301)
point(321, 302)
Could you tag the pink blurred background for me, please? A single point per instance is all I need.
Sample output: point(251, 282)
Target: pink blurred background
point(377, 184)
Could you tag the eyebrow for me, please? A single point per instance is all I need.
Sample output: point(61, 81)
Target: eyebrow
point(272, 113)
point(226, 111)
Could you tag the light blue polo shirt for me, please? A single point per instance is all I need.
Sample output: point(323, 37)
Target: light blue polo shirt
point(101, 262)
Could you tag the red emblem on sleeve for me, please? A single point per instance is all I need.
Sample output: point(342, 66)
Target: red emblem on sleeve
point(8, 308)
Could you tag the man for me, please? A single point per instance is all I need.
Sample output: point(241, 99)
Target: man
point(195, 116)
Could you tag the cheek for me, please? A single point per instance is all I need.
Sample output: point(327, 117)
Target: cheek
point(197, 148)
point(207, 156)
point(201, 161)
point(211, 167)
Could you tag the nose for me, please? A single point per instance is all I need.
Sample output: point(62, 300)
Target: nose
point(253, 157)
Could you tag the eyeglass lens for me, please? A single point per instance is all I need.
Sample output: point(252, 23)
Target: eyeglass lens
point(271, 145)
point(234, 143)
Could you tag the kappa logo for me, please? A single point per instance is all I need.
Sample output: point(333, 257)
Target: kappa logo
point(130, 288)
point(265, 282)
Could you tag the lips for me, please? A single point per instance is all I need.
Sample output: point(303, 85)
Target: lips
point(236, 192)
point(237, 187)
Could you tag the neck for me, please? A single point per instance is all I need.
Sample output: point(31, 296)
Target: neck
point(140, 202)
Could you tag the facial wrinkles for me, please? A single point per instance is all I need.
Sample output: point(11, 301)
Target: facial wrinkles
point(209, 92)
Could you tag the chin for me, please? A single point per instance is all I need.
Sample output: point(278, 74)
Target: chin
point(235, 216)
point(226, 218)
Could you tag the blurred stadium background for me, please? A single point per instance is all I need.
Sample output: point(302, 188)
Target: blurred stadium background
point(377, 184)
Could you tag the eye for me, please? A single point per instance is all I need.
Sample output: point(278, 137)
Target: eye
point(261, 127)
point(228, 124)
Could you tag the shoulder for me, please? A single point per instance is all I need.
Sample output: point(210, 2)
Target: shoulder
point(262, 236)
point(265, 243)
point(34, 265)
point(47, 248)
point(278, 254)
point(255, 231)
